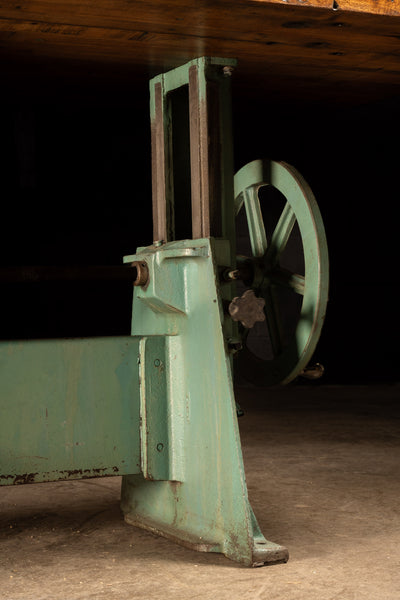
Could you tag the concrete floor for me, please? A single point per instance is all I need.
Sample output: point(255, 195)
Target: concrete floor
point(323, 473)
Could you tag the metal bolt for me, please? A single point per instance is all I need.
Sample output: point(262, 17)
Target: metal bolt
point(313, 371)
point(234, 345)
point(227, 71)
point(160, 447)
point(235, 274)
point(245, 271)
point(157, 362)
point(142, 269)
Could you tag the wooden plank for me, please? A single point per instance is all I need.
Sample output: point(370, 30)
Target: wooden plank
point(338, 48)
point(376, 7)
point(178, 15)
point(344, 41)
point(271, 41)
point(250, 22)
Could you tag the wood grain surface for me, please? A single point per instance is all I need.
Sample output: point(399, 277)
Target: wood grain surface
point(339, 51)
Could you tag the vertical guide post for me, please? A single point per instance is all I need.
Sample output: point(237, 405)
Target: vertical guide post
point(159, 160)
point(211, 155)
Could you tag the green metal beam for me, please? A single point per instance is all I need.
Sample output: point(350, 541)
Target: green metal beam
point(69, 409)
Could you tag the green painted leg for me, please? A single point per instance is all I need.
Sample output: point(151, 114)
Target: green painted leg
point(193, 487)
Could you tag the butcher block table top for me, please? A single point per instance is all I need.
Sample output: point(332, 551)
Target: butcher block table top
point(329, 50)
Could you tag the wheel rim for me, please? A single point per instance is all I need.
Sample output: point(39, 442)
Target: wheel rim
point(301, 207)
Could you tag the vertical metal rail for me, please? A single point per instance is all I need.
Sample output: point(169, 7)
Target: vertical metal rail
point(211, 155)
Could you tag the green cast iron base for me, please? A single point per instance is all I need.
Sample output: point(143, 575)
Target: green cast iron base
point(192, 488)
point(257, 552)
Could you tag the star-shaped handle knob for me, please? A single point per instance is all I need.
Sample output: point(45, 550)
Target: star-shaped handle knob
point(248, 309)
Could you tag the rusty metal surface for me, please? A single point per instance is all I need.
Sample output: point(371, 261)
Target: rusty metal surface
point(158, 166)
point(199, 153)
point(142, 271)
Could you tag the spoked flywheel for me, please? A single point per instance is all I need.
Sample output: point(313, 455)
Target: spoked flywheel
point(265, 276)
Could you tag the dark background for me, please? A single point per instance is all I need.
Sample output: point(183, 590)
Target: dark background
point(76, 189)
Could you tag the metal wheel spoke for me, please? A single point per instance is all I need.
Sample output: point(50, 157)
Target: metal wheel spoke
point(287, 279)
point(272, 316)
point(281, 234)
point(255, 221)
point(292, 346)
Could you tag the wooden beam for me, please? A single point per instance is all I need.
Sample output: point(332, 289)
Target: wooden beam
point(276, 43)
point(374, 7)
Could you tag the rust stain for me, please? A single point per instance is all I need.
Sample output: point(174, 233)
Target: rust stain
point(59, 475)
point(20, 479)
